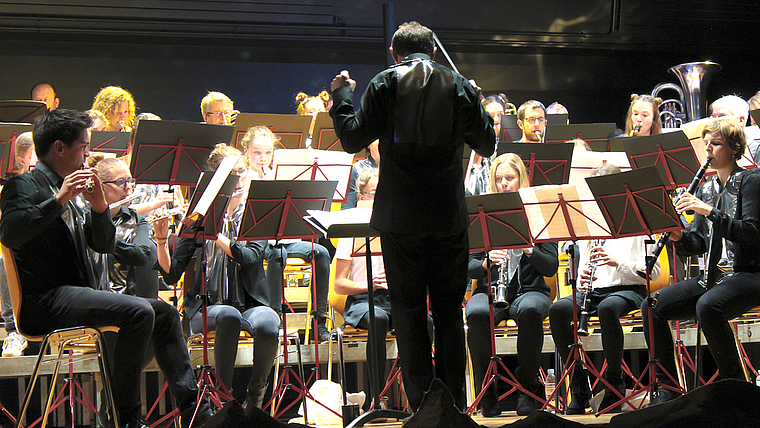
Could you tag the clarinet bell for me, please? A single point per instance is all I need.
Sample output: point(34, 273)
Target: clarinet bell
point(500, 301)
point(583, 325)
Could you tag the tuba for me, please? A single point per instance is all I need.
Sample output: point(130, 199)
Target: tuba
point(690, 104)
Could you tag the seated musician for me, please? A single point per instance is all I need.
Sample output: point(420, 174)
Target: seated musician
point(351, 280)
point(643, 117)
point(531, 118)
point(476, 182)
point(216, 109)
point(527, 295)
point(234, 266)
point(311, 105)
point(372, 160)
point(118, 106)
point(49, 236)
point(259, 143)
point(726, 225)
point(614, 290)
point(45, 92)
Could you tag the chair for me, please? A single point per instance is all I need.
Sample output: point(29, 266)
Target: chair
point(81, 343)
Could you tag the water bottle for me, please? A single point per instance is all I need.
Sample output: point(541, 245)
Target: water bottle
point(550, 383)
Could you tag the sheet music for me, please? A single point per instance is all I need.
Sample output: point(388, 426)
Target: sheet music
point(224, 169)
point(320, 165)
point(693, 130)
point(584, 162)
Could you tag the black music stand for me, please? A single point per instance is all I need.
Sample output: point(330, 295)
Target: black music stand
point(670, 152)
point(174, 152)
point(292, 129)
point(275, 210)
point(547, 163)
point(596, 135)
point(497, 221)
point(510, 132)
point(315, 165)
point(557, 119)
point(755, 115)
point(110, 142)
point(21, 111)
point(358, 230)
point(636, 203)
point(8, 134)
point(323, 137)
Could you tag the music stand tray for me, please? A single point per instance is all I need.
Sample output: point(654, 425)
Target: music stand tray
point(596, 135)
point(174, 152)
point(292, 129)
point(115, 142)
point(21, 111)
point(547, 163)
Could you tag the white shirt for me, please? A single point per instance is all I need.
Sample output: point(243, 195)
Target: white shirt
point(630, 253)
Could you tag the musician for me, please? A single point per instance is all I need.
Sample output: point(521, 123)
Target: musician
point(531, 118)
point(118, 106)
point(644, 114)
point(310, 106)
point(45, 92)
point(56, 290)
point(616, 290)
point(727, 226)
point(528, 298)
point(217, 109)
point(730, 105)
point(477, 180)
point(371, 161)
point(420, 210)
point(237, 266)
point(259, 143)
point(98, 120)
point(24, 149)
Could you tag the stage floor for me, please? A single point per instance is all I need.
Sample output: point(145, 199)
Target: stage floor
point(504, 419)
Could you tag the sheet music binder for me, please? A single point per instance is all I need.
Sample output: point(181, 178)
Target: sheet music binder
point(292, 129)
point(693, 131)
point(174, 152)
point(547, 163)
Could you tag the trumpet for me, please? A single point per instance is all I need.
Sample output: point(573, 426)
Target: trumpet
point(583, 321)
point(168, 213)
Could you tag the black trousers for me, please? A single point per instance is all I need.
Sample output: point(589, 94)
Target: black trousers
point(528, 310)
point(140, 321)
point(417, 267)
point(713, 309)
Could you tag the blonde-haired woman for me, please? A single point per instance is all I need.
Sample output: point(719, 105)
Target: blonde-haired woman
point(118, 106)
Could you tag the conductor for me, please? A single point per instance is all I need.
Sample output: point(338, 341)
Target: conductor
point(423, 113)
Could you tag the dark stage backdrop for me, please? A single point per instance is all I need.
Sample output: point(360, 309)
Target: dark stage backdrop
point(589, 55)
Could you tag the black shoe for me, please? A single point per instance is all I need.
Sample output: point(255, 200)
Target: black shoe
point(610, 396)
point(201, 416)
point(324, 333)
point(579, 402)
point(662, 395)
point(137, 423)
point(490, 412)
point(527, 404)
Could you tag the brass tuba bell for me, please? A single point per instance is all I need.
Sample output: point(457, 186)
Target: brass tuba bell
point(694, 78)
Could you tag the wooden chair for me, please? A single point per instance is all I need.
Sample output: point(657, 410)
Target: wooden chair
point(79, 344)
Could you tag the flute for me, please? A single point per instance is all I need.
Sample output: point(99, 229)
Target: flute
point(169, 213)
point(125, 201)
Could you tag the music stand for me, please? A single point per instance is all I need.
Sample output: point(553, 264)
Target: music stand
point(693, 131)
point(110, 142)
point(636, 203)
point(670, 152)
point(358, 227)
point(275, 210)
point(174, 152)
point(547, 163)
point(21, 111)
point(323, 137)
point(557, 119)
point(510, 132)
point(497, 221)
point(315, 165)
point(596, 135)
point(292, 129)
point(755, 115)
point(8, 134)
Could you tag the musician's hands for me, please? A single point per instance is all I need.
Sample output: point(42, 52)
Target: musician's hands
point(379, 281)
point(161, 226)
point(341, 80)
point(496, 257)
point(689, 202)
point(601, 258)
point(77, 182)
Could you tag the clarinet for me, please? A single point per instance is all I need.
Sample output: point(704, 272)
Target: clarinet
point(664, 237)
point(500, 301)
point(583, 320)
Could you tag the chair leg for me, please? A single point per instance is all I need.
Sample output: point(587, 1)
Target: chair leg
point(104, 365)
point(32, 383)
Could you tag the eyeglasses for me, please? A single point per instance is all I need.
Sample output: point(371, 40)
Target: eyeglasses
point(225, 113)
point(122, 182)
point(532, 120)
point(370, 193)
point(240, 171)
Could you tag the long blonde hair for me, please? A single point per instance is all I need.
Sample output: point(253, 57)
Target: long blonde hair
point(515, 162)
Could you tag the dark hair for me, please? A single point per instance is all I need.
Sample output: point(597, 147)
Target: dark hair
point(499, 99)
point(61, 124)
point(55, 93)
point(411, 37)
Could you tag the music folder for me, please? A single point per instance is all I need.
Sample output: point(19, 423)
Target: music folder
point(351, 223)
point(547, 163)
point(596, 135)
point(292, 129)
point(174, 152)
point(21, 111)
